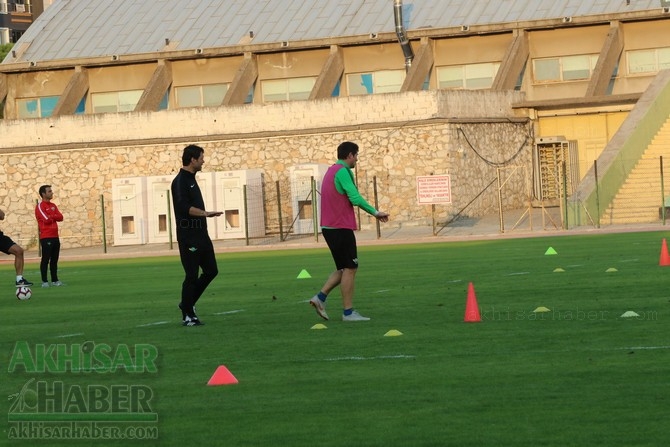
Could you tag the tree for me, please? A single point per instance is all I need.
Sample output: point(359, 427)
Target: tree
point(4, 50)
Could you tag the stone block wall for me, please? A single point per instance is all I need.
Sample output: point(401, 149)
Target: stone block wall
point(467, 135)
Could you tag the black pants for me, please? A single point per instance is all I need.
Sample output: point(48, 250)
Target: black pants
point(50, 254)
point(193, 258)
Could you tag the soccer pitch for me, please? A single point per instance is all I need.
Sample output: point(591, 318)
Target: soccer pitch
point(578, 373)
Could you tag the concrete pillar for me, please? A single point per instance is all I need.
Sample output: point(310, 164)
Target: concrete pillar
point(74, 91)
point(244, 80)
point(330, 74)
point(513, 62)
point(607, 61)
point(421, 66)
point(156, 89)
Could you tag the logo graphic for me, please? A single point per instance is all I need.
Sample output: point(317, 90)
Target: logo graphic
point(53, 408)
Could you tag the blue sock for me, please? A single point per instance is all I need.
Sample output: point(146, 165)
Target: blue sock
point(322, 296)
point(348, 312)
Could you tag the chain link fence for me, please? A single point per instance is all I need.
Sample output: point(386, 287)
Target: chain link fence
point(631, 191)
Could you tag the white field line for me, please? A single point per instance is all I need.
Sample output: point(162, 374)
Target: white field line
point(644, 347)
point(229, 312)
point(69, 335)
point(381, 357)
point(153, 324)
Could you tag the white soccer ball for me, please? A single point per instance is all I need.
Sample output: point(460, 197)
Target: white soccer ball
point(23, 293)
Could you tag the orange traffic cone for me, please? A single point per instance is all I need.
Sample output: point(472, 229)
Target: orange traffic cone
point(665, 257)
point(471, 307)
point(222, 377)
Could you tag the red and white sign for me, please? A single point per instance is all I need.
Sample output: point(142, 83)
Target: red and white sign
point(433, 189)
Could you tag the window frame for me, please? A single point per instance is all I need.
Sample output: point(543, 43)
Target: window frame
point(465, 81)
point(287, 89)
point(39, 107)
point(377, 82)
point(592, 60)
point(658, 63)
point(117, 95)
point(202, 94)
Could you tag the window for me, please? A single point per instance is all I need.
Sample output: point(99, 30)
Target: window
point(115, 101)
point(470, 76)
point(387, 81)
point(15, 35)
point(294, 89)
point(648, 61)
point(201, 95)
point(576, 68)
point(36, 107)
point(43, 107)
point(566, 68)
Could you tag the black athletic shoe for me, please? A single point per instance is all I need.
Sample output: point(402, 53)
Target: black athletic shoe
point(192, 321)
point(23, 283)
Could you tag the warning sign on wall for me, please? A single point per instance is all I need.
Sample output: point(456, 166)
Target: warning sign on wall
point(433, 189)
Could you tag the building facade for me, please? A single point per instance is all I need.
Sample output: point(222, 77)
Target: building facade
point(469, 95)
point(17, 15)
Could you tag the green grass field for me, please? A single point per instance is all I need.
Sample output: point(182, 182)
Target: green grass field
point(578, 375)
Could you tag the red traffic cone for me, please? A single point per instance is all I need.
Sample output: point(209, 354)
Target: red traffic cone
point(665, 257)
point(471, 307)
point(222, 377)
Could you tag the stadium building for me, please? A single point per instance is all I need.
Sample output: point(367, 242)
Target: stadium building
point(512, 104)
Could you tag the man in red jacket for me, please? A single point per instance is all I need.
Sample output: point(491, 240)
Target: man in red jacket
point(48, 216)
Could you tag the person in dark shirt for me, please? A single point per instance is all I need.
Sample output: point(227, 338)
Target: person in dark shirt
point(8, 246)
point(195, 247)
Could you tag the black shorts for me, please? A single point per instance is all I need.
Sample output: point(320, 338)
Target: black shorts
point(5, 243)
point(342, 244)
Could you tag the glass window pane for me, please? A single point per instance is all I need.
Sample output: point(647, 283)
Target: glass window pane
point(188, 96)
point(212, 95)
point(164, 102)
point(300, 88)
point(479, 76)
point(27, 108)
point(274, 90)
point(47, 105)
point(389, 81)
point(104, 102)
point(576, 67)
point(450, 77)
point(336, 90)
point(360, 84)
point(250, 96)
point(547, 70)
point(643, 61)
point(81, 108)
point(663, 58)
point(128, 100)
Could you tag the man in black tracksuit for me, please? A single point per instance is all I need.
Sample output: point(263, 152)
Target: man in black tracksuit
point(195, 247)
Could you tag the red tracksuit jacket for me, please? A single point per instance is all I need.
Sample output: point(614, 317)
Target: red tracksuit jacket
point(48, 216)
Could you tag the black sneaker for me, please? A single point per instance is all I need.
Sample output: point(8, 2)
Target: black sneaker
point(23, 283)
point(192, 321)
